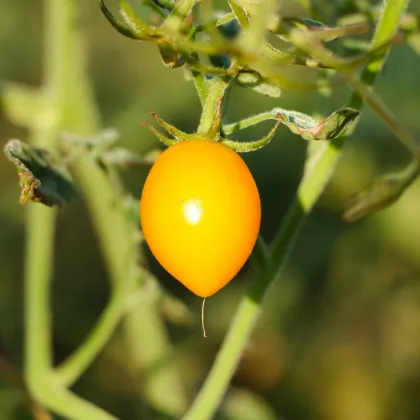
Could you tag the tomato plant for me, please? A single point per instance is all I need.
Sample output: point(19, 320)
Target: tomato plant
point(200, 209)
point(200, 213)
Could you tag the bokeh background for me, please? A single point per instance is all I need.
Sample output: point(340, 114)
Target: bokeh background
point(339, 337)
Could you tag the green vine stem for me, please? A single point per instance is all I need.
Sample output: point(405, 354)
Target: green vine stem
point(313, 183)
point(71, 105)
point(70, 370)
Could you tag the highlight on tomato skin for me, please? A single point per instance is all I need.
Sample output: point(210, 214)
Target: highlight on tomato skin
point(200, 213)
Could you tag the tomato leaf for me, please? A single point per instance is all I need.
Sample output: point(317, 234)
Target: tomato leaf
point(270, 89)
point(381, 193)
point(337, 124)
point(40, 180)
point(256, 82)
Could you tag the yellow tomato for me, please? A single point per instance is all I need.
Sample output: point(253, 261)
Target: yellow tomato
point(200, 213)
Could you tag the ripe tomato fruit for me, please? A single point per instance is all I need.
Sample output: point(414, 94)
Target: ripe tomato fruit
point(200, 213)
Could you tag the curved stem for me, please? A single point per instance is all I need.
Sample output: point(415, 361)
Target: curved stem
point(72, 368)
point(315, 179)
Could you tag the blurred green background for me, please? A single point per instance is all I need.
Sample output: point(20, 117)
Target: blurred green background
point(339, 338)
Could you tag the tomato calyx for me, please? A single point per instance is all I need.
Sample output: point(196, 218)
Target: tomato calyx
point(214, 134)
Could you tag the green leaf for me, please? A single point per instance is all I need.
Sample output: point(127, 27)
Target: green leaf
point(41, 181)
point(382, 193)
point(256, 82)
point(270, 89)
point(337, 124)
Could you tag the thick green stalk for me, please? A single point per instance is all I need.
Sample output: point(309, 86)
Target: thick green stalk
point(314, 181)
point(211, 107)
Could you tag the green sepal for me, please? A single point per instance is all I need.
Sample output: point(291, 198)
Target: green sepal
point(173, 131)
point(163, 139)
point(243, 147)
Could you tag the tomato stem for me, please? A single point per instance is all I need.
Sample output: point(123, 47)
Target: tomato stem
point(216, 91)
